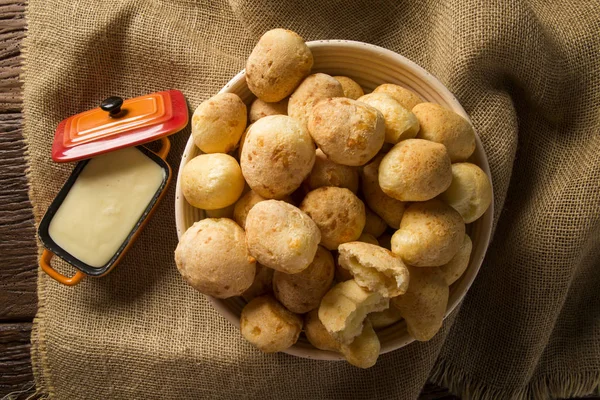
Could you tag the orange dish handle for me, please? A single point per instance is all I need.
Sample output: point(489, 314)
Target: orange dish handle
point(57, 276)
point(164, 148)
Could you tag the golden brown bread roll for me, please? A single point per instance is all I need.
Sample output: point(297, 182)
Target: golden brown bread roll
point(415, 170)
point(277, 64)
point(385, 318)
point(430, 234)
point(374, 225)
point(278, 154)
point(213, 258)
point(312, 89)
point(352, 90)
point(345, 307)
point(303, 291)
point(374, 268)
point(282, 237)
point(364, 349)
point(444, 126)
point(388, 208)
point(243, 206)
point(268, 325)
point(212, 181)
point(328, 173)
point(338, 213)
point(423, 306)
point(368, 238)
point(400, 123)
point(262, 284)
point(347, 131)
point(407, 98)
point(457, 266)
point(260, 109)
point(470, 192)
point(218, 123)
point(316, 333)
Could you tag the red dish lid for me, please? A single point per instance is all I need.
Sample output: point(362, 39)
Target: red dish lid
point(117, 124)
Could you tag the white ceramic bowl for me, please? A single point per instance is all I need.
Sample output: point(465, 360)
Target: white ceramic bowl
point(370, 66)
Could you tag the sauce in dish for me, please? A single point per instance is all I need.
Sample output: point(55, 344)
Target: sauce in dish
point(104, 204)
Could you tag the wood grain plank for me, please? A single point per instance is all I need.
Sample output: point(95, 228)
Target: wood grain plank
point(15, 363)
point(18, 269)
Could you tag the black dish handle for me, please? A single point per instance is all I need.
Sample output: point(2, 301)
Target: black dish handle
point(112, 105)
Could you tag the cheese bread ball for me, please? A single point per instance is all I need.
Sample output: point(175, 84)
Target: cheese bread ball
point(313, 89)
point(459, 263)
point(279, 61)
point(407, 98)
point(218, 123)
point(303, 291)
point(338, 213)
point(268, 325)
point(374, 225)
point(245, 204)
point(345, 307)
point(444, 126)
point(282, 237)
point(400, 123)
point(423, 306)
point(278, 155)
point(385, 318)
point(374, 268)
point(212, 181)
point(430, 234)
point(260, 109)
point(415, 170)
point(347, 131)
point(262, 284)
point(328, 173)
point(226, 212)
point(364, 349)
point(470, 192)
point(317, 335)
point(388, 208)
point(213, 258)
point(368, 238)
point(352, 90)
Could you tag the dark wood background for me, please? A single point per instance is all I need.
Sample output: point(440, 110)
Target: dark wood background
point(18, 261)
point(18, 269)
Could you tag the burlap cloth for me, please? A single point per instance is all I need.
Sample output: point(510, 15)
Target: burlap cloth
point(527, 72)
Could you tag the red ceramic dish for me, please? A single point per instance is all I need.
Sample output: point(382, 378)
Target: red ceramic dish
point(130, 123)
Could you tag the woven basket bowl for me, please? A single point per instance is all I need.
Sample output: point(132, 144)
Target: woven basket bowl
point(370, 66)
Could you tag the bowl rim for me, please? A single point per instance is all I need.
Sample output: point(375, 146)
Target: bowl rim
point(487, 218)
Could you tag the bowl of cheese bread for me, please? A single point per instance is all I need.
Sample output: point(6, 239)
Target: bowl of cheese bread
point(334, 201)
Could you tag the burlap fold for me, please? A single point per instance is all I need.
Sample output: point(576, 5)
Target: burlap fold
point(528, 72)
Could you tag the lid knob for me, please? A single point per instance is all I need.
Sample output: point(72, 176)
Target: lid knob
point(112, 105)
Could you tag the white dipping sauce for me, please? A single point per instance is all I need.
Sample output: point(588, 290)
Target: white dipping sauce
point(104, 204)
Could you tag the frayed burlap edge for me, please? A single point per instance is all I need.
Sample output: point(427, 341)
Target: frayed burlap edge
point(39, 359)
point(543, 387)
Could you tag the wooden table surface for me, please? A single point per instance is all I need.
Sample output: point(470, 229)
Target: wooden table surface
point(18, 268)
